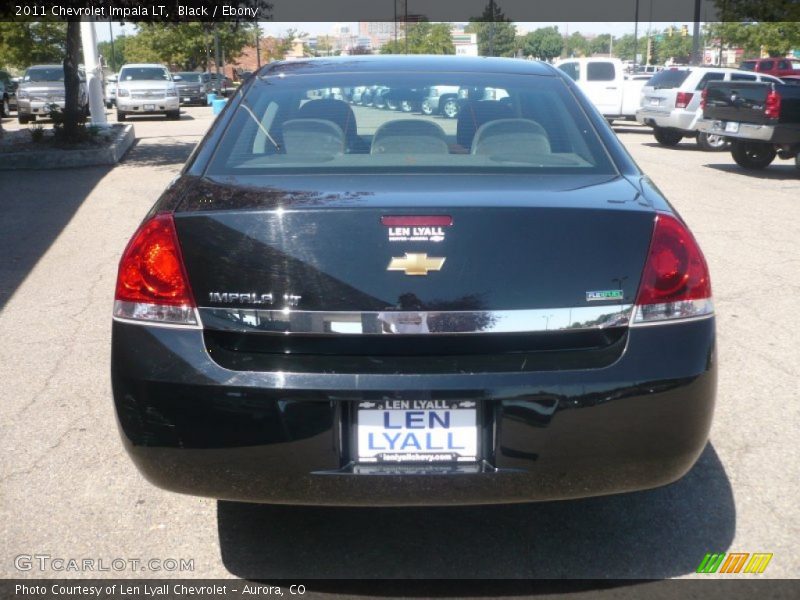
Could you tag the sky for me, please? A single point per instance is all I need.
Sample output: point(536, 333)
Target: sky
point(321, 28)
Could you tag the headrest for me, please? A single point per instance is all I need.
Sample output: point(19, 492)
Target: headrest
point(313, 136)
point(409, 136)
point(515, 137)
point(473, 114)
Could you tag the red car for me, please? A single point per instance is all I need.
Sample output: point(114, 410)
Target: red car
point(773, 66)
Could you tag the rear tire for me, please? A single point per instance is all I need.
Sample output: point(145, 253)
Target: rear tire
point(426, 108)
point(23, 119)
point(406, 106)
point(667, 137)
point(711, 142)
point(121, 116)
point(5, 108)
point(450, 108)
point(752, 155)
point(173, 115)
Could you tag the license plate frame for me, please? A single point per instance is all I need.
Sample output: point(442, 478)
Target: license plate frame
point(148, 107)
point(731, 127)
point(187, 99)
point(433, 445)
point(655, 101)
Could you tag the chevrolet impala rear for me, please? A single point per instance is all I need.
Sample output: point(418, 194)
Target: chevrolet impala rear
point(343, 305)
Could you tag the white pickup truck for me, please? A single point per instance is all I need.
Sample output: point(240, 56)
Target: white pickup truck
point(615, 93)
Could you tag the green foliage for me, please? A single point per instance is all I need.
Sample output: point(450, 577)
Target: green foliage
point(775, 38)
point(497, 35)
point(675, 47)
point(119, 58)
point(544, 43)
point(37, 133)
point(577, 45)
point(601, 44)
point(186, 46)
point(423, 38)
point(25, 44)
point(624, 47)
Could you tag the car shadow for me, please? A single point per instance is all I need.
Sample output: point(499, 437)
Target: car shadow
point(159, 155)
point(774, 171)
point(36, 205)
point(645, 535)
point(133, 118)
point(627, 128)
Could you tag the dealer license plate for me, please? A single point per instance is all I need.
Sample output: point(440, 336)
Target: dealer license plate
point(187, 99)
point(731, 127)
point(149, 106)
point(415, 431)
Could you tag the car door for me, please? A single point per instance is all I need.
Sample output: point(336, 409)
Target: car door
point(603, 85)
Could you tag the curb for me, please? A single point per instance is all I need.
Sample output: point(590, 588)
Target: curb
point(63, 159)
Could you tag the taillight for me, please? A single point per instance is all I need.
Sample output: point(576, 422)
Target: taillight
point(151, 282)
point(682, 99)
point(772, 107)
point(703, 98)
point(675, 282)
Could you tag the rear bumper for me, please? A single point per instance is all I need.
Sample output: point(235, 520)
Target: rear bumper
point(775, 134)
point(192, 426)
point(675, 119)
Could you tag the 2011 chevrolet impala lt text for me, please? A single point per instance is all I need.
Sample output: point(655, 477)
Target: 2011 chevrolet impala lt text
point(341, 304)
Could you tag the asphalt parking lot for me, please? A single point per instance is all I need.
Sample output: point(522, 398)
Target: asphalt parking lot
point(69, 490)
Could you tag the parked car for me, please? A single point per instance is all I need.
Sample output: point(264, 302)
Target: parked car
point(193, 87)
point(41, 87)
point(441, 99)
point(762, 120)
point(221, 85)
point(110, 91)
point(670, 103)
point(9, 95)
point(603, 80)
point(146, 89)
point(773, 66)
point(326, 308)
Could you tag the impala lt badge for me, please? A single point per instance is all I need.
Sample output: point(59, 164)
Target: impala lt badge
point(416, 264)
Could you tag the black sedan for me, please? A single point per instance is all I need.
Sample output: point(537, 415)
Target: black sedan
point(338, 305)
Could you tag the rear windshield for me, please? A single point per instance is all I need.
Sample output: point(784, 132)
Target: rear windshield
point(375, 122)
point(749, 65)
point(191, 77)
point(143, 74)
point(668, 79)
point(48, 74)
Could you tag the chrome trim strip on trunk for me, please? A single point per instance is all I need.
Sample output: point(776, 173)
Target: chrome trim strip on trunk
point(288, 321)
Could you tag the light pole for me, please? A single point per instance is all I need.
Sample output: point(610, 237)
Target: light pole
point(94, 86)
point(635, 33)
point(547, 321)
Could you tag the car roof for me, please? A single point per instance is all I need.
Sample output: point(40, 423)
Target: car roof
point(137, 65)
point(415, 63)
point(33, 67)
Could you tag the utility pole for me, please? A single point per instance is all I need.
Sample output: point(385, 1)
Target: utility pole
point(92, 68)
point(113, 61)
point(635, 33)
point(216, 55)
point(696, 59)
point(258, 45)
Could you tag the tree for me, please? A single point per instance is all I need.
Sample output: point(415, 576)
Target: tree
point(423, 38)
point(624, 47)
point(25, 44)
point(72, 109)
point(544, 43)
point(675, 47)
point(775, 38)
point(187, 45)
point(577, 45)
point(119, 58)
point(497, 35)
point(601, 44)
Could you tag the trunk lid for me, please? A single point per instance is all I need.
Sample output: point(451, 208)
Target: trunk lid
point(739, 101)
point(540, 245)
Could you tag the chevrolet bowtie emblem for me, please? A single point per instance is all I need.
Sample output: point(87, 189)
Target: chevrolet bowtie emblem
point(415, 264)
